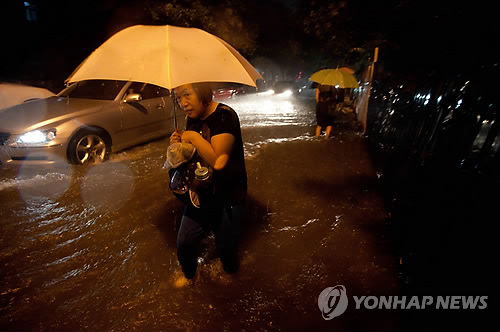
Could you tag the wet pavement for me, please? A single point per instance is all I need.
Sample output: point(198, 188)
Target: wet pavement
point(93, 249)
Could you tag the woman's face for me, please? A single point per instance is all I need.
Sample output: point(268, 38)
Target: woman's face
point(189, 102)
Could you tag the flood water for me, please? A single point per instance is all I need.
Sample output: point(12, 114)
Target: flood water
point(93, 249)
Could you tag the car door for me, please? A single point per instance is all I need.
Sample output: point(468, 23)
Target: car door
point(146, 118)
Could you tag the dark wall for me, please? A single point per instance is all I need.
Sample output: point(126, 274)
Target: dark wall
point(435, 138)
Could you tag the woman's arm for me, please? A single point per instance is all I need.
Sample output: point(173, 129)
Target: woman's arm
point(215, 154)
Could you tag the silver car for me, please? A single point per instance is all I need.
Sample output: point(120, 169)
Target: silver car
point(85, 122)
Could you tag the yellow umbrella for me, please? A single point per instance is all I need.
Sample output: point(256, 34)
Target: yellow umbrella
point(167, 56)
point(335, 77)
point(347, 70)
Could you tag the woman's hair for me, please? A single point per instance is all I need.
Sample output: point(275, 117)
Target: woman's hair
point(204, 92)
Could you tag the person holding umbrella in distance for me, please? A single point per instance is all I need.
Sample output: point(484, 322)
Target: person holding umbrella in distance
point(214, 130)
point(328, 95)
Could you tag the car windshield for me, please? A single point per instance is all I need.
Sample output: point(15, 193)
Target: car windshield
point(94, 89)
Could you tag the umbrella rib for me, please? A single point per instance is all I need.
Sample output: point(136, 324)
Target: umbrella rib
point(168, 58)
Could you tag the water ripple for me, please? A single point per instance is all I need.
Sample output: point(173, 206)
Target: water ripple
point(251, 148)
point(296, 228)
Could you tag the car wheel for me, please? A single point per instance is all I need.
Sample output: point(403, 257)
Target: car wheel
point(88, 146)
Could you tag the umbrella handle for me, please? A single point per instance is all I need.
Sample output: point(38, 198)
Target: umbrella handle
point(175, 112)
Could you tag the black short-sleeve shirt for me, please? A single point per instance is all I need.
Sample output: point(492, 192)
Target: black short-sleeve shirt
point(230, 182)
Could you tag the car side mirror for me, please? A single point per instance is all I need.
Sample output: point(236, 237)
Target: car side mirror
point(133, 97)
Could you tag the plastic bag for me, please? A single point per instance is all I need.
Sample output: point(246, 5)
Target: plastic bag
point(178, 154)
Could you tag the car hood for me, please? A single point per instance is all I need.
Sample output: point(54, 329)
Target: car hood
point(43, 113)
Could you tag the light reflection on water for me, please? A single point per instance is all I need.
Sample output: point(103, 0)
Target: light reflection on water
point(267, 119)
point(264, 111)
point(252, 148)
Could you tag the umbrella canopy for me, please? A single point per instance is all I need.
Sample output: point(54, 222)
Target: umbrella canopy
point(347, 70)
point(335, 77)
point(167, 56)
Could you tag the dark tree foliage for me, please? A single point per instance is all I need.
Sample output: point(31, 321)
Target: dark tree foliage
point(340, 33)
point(225, 19)
point(300, 35)
point(412, 35)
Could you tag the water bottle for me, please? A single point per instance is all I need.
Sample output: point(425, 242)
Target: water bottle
point(202, 179)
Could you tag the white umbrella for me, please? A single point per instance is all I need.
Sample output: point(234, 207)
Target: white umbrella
point(167, 56)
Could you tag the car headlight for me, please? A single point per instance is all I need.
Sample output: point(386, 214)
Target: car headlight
point(36, 137)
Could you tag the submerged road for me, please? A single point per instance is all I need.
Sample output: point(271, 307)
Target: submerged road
point(94, 249)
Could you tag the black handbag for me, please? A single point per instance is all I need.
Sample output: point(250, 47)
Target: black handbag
point(187, 187)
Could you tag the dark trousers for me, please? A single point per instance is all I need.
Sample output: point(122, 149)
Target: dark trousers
point(224, 221)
